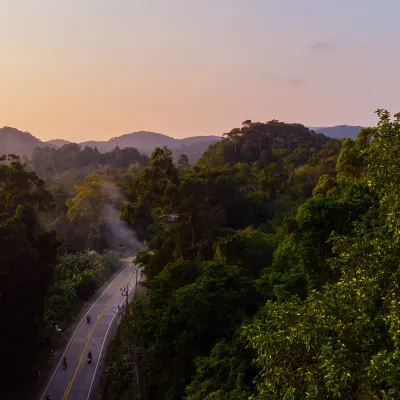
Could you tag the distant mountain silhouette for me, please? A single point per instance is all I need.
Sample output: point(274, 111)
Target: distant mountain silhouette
point(339, 131)
point(17, 142)
point(57, 142)
point(198, 139)
point(144, 141)
point(23, 143)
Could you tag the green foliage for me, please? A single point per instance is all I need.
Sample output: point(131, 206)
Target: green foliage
point(226, 374)
point(272, 266)
point(340, 341)
point(37, 290)
point(211, 231)
point(183, 161)
point(264, 143)
point(50, 161)
point(272, 269)
point(77, 276)
point(326, 186)
point(317, 218)
point(351, 162)
point(27, 262)
point(89, 218)
point(250, 249)
point(184, 298)
point(152, 188)
point(284, 277)
point(383, 171)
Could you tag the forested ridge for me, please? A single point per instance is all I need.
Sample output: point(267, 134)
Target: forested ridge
point(271, 265)
point(272, 270)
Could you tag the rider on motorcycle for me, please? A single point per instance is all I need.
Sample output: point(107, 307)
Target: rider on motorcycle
point(88, 318)
point(64, 362)
point(89, 356)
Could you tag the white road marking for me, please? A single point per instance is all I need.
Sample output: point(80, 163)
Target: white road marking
point(104, 340)
point(80, 323)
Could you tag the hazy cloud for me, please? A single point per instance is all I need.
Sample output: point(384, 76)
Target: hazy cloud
point(295, 81)
point(322, 47)
point(292, 81)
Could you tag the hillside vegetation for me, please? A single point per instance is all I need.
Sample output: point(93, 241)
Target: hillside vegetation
point(271, 265)
point(277, 278)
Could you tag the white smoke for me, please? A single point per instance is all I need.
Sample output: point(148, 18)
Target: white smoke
point(119, 234)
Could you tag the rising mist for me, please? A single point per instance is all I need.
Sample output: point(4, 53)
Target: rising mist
point(119, 234)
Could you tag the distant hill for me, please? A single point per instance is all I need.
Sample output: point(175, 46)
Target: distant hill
point(339, 131)
point(144, 141)
point(194, 150)
point(23, 143)
point(199, 139)
point(57, 142)
point(17, 142)
point(148, 141)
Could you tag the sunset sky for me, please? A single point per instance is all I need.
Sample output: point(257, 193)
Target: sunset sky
point(94, 69)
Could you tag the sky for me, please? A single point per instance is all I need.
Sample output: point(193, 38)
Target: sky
point(95, 69)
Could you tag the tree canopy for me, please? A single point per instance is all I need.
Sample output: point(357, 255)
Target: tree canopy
point(271, 266)
point(27, 263)
point(272, 270)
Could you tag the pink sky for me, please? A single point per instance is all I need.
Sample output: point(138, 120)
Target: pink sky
point(95, 69)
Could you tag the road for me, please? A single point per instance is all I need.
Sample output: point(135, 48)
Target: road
point(76, 381)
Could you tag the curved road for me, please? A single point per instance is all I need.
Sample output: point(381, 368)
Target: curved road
point(76, 381)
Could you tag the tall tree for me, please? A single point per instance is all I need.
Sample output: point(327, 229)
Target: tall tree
point(27, 262)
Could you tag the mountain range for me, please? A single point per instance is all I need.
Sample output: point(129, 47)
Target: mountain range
point(339, 131)
point(21, 143)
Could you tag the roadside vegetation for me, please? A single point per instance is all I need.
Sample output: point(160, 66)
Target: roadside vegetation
point(273, 272)
point(59, 241)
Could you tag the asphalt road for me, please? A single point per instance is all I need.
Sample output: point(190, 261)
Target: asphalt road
point(76, 381)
